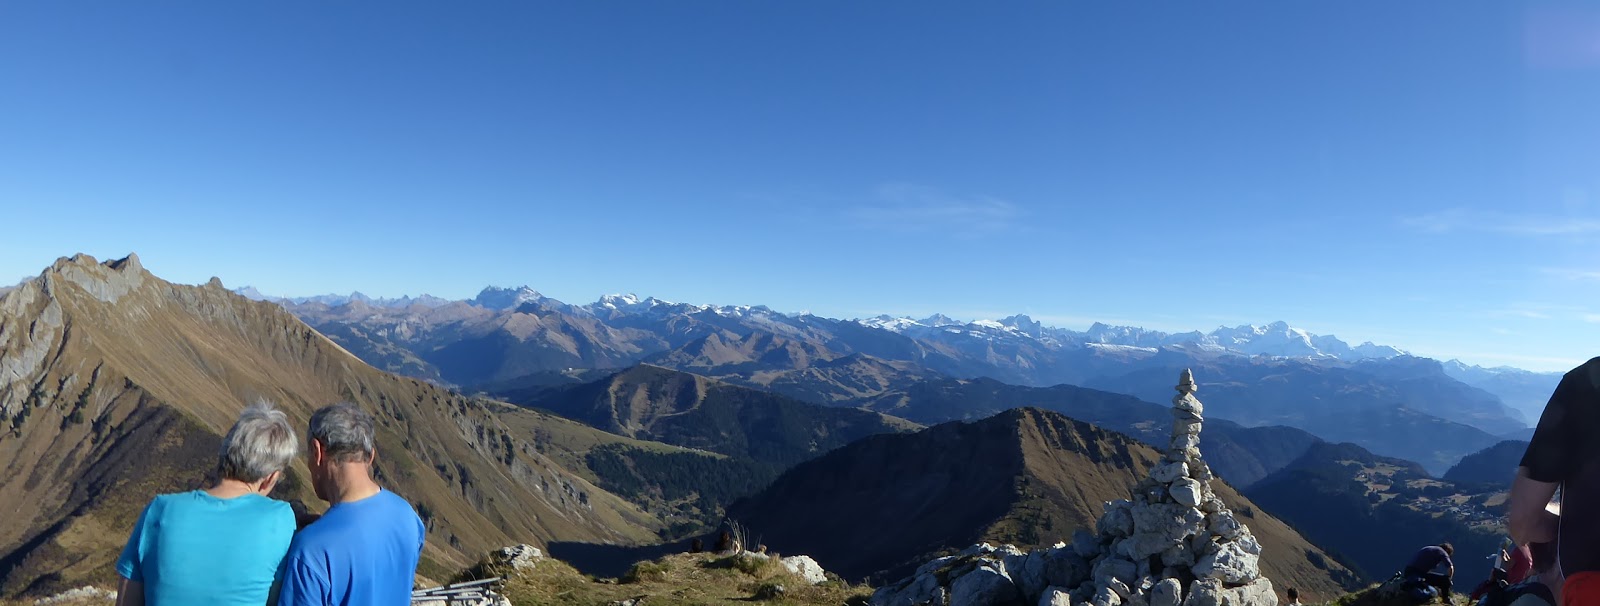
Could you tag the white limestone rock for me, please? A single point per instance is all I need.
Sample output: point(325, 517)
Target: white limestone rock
point(1232, 563)
point(986, 585)
point(1165, 474)
point(1114, 569)
point(806, 568)
point(519, 557)
point(1056, 596)
point(1116, 523)
point(913, 591)
point(1223, 524)
point(1187, 492)
point(1106, 597)
point(1166, 592)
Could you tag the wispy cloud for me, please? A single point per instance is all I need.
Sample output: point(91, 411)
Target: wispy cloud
point(1575, 275)
point(905, 207)
point(1466, 220)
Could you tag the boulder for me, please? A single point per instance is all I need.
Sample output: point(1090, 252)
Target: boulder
point(1116, 523)
point(1027, 571)
point(519, 557)
point(1187, 492)
point(1084, 543)
point(1256, 593)
point(1177, 557)
point(916, 590)
point(1056, 596)
point(1114, 569)
point(984, 586)
point(1231, 564)
point(1166, 592)
point(1223, 524)
point(1166, 473)
point(1106, 597)
point(1065, 568)
point(1145, 544)
point(805, 568)
point(1204, 592)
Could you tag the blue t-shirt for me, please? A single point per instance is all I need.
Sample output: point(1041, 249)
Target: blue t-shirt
point(362, 553)
point(194, 548)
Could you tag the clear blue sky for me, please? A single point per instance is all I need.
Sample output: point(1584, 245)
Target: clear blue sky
point(1422, 174)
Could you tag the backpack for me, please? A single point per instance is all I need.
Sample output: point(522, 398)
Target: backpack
point(1421, 593)
point(1504, 596)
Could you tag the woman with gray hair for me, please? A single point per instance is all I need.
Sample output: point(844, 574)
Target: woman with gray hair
point(225, 544)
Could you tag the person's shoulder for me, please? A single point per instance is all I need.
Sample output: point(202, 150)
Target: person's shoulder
point(395, 501)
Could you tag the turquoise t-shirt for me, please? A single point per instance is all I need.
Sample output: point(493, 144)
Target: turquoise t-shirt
point(194, 548)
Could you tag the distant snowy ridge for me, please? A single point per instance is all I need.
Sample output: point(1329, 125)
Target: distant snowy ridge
point(1277, 339)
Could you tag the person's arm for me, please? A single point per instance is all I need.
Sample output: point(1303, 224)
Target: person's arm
point(130, 564)
point(301, 585)
point(1531, 521)
point(130, 593)
point(1548, 459)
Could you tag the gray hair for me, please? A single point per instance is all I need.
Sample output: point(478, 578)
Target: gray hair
point(261, 442)
point(345, 431)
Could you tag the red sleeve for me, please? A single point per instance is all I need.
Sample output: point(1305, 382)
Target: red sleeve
point(1521, 565)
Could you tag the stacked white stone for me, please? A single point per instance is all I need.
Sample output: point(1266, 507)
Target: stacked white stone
point(1174, 542)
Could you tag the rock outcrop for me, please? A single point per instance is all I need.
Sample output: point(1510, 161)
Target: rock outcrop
point(518, 557)
point(1174, 543)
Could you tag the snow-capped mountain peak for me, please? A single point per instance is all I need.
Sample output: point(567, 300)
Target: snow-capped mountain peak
point(495, 297)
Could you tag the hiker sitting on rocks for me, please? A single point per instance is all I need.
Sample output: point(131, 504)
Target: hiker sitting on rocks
point(222, 545)
point(1425, 564)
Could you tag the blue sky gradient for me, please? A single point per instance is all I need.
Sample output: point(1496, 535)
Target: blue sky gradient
point(1421, 174)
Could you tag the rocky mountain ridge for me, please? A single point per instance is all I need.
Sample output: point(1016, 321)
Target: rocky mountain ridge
point(116, 385)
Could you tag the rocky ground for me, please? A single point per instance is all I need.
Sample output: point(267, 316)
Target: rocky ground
point(675, 580)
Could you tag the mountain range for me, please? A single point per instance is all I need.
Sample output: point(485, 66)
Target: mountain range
point(1263, 375)
point(116, 385)
point(632, 421)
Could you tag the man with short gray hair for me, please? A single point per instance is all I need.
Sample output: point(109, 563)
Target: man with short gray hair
point(364, 550)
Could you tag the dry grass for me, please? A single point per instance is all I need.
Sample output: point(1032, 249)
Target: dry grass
point(1373, 596)
point(676, 580)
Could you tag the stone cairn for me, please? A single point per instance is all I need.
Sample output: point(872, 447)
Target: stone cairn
point(1173, 544)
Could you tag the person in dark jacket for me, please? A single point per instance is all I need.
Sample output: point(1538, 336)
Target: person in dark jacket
point(1427, 563)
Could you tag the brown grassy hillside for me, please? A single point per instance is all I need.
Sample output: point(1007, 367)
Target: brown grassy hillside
point(1026, 476)
point(116, 385)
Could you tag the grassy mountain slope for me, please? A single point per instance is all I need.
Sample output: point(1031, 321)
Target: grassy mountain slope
point(1241, 455)
point(1025, 476)
point(116, 385)
point(679, 408)
point(1376, 511)
point(1492, 467)
point(1396, 408)
point(755, 434)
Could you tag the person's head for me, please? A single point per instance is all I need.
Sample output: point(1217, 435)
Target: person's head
point(257, 448)
point(1449, 549)
point(1294, 595)
point(340, 438)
